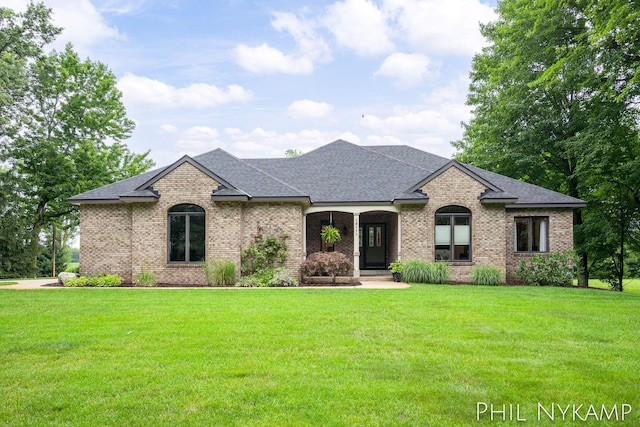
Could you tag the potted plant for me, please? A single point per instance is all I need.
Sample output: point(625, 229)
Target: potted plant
point(396, 270)
point(330, 235)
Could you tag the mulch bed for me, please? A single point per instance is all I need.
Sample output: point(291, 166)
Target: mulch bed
point(173, 285)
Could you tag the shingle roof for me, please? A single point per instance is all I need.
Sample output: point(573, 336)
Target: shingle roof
point(337, 173)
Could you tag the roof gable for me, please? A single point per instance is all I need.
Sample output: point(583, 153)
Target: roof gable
point(462, 168)
point(184, 159)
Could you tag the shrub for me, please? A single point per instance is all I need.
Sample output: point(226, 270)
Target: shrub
point(103, 281)
point(327, 264)
point(220, 272)
point(417, 271)
point(145, 278)
point(77, 282)
point(269, 278)
point(554, 269)
point(486, 275)
point(73, 269)
point(283, 277)
point(263, 253)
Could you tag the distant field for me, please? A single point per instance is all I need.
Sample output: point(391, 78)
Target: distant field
point(423, 356)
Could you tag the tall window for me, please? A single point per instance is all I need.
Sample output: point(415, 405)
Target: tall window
point(531, 234)
point(453, 234)
point(186, 233)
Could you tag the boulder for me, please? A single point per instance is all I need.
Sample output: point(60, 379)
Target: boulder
point(64, 276)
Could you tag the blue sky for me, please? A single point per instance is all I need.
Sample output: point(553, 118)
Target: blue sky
point(259, 77)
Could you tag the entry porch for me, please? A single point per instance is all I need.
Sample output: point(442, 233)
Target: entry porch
point(371, 235)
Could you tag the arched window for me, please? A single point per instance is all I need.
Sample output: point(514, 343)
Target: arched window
point(186, 233)
point(453, 234)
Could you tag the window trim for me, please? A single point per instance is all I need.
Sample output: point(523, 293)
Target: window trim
point(452, 212)
point(530, 222)
point(187, 237)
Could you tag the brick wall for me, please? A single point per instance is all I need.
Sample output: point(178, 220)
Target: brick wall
point(454, 187)
point(560, 235)
point(124, 238)
point(105, 245)
point(492, 226)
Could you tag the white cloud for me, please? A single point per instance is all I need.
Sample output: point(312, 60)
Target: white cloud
point(309, 109)
point(146, 92)
point(199, 139)
point(84, 26)
point(260, 143)
point(309, 43)
point(409, 69)
point(169, 129)
point(443, 27)
point(359, 25)
point(265, 59)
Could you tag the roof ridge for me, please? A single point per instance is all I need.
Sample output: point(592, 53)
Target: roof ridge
point(388, 156)
point(264, 173)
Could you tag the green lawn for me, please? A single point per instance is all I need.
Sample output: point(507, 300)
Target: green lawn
point(423, 356)
point(628, 285)
point(7, 283)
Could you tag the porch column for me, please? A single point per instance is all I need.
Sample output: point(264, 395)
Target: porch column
point(356, 245)
point(304, 237)
point(399, 236)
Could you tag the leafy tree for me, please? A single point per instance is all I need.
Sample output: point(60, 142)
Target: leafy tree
point(292, 152)
point(22, 36)
point(62, 133)
point(544, 110)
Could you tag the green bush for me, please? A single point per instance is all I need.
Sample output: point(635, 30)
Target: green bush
point(103, 281)
point(554, 269)
point(417, 271)
point(73, 268)
point(145, 278)
point(486, 275)
point(269, 278)
point(77, 282)
point(263, 253)
point(220, 272)
point(283, 278)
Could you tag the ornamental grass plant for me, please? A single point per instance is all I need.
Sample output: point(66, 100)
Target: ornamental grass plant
point(418, 271)
point(487, 275)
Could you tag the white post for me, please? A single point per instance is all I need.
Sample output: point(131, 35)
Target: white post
point(304, 237)
point(399, 236)
point(356, 245)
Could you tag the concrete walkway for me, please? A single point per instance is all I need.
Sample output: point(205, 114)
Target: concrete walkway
point(368, 284)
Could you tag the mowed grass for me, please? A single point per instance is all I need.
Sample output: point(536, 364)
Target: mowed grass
point(628, 285)
point(423, 356)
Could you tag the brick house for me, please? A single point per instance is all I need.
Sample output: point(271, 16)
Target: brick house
point(389, 202)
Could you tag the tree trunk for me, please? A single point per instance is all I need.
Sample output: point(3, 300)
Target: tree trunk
point(583, 268)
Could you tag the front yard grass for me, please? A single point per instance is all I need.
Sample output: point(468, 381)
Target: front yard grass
point(283, 357)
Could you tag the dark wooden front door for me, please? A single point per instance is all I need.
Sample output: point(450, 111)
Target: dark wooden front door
point(373, 244)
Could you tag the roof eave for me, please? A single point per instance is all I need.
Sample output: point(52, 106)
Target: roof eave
point(546, 205)
point(79, 202)
point(499, 201)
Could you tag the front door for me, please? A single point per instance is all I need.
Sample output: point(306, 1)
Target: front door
point(373, 247)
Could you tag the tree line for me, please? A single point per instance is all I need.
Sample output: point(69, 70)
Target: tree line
point(555, 102)
point(62, 123)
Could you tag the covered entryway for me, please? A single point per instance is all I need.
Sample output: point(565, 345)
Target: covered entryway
point(370, 234)
point(373, 246)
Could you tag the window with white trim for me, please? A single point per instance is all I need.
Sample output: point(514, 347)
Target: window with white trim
point(186, 240)
point(453, 234)
point(531, 234)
